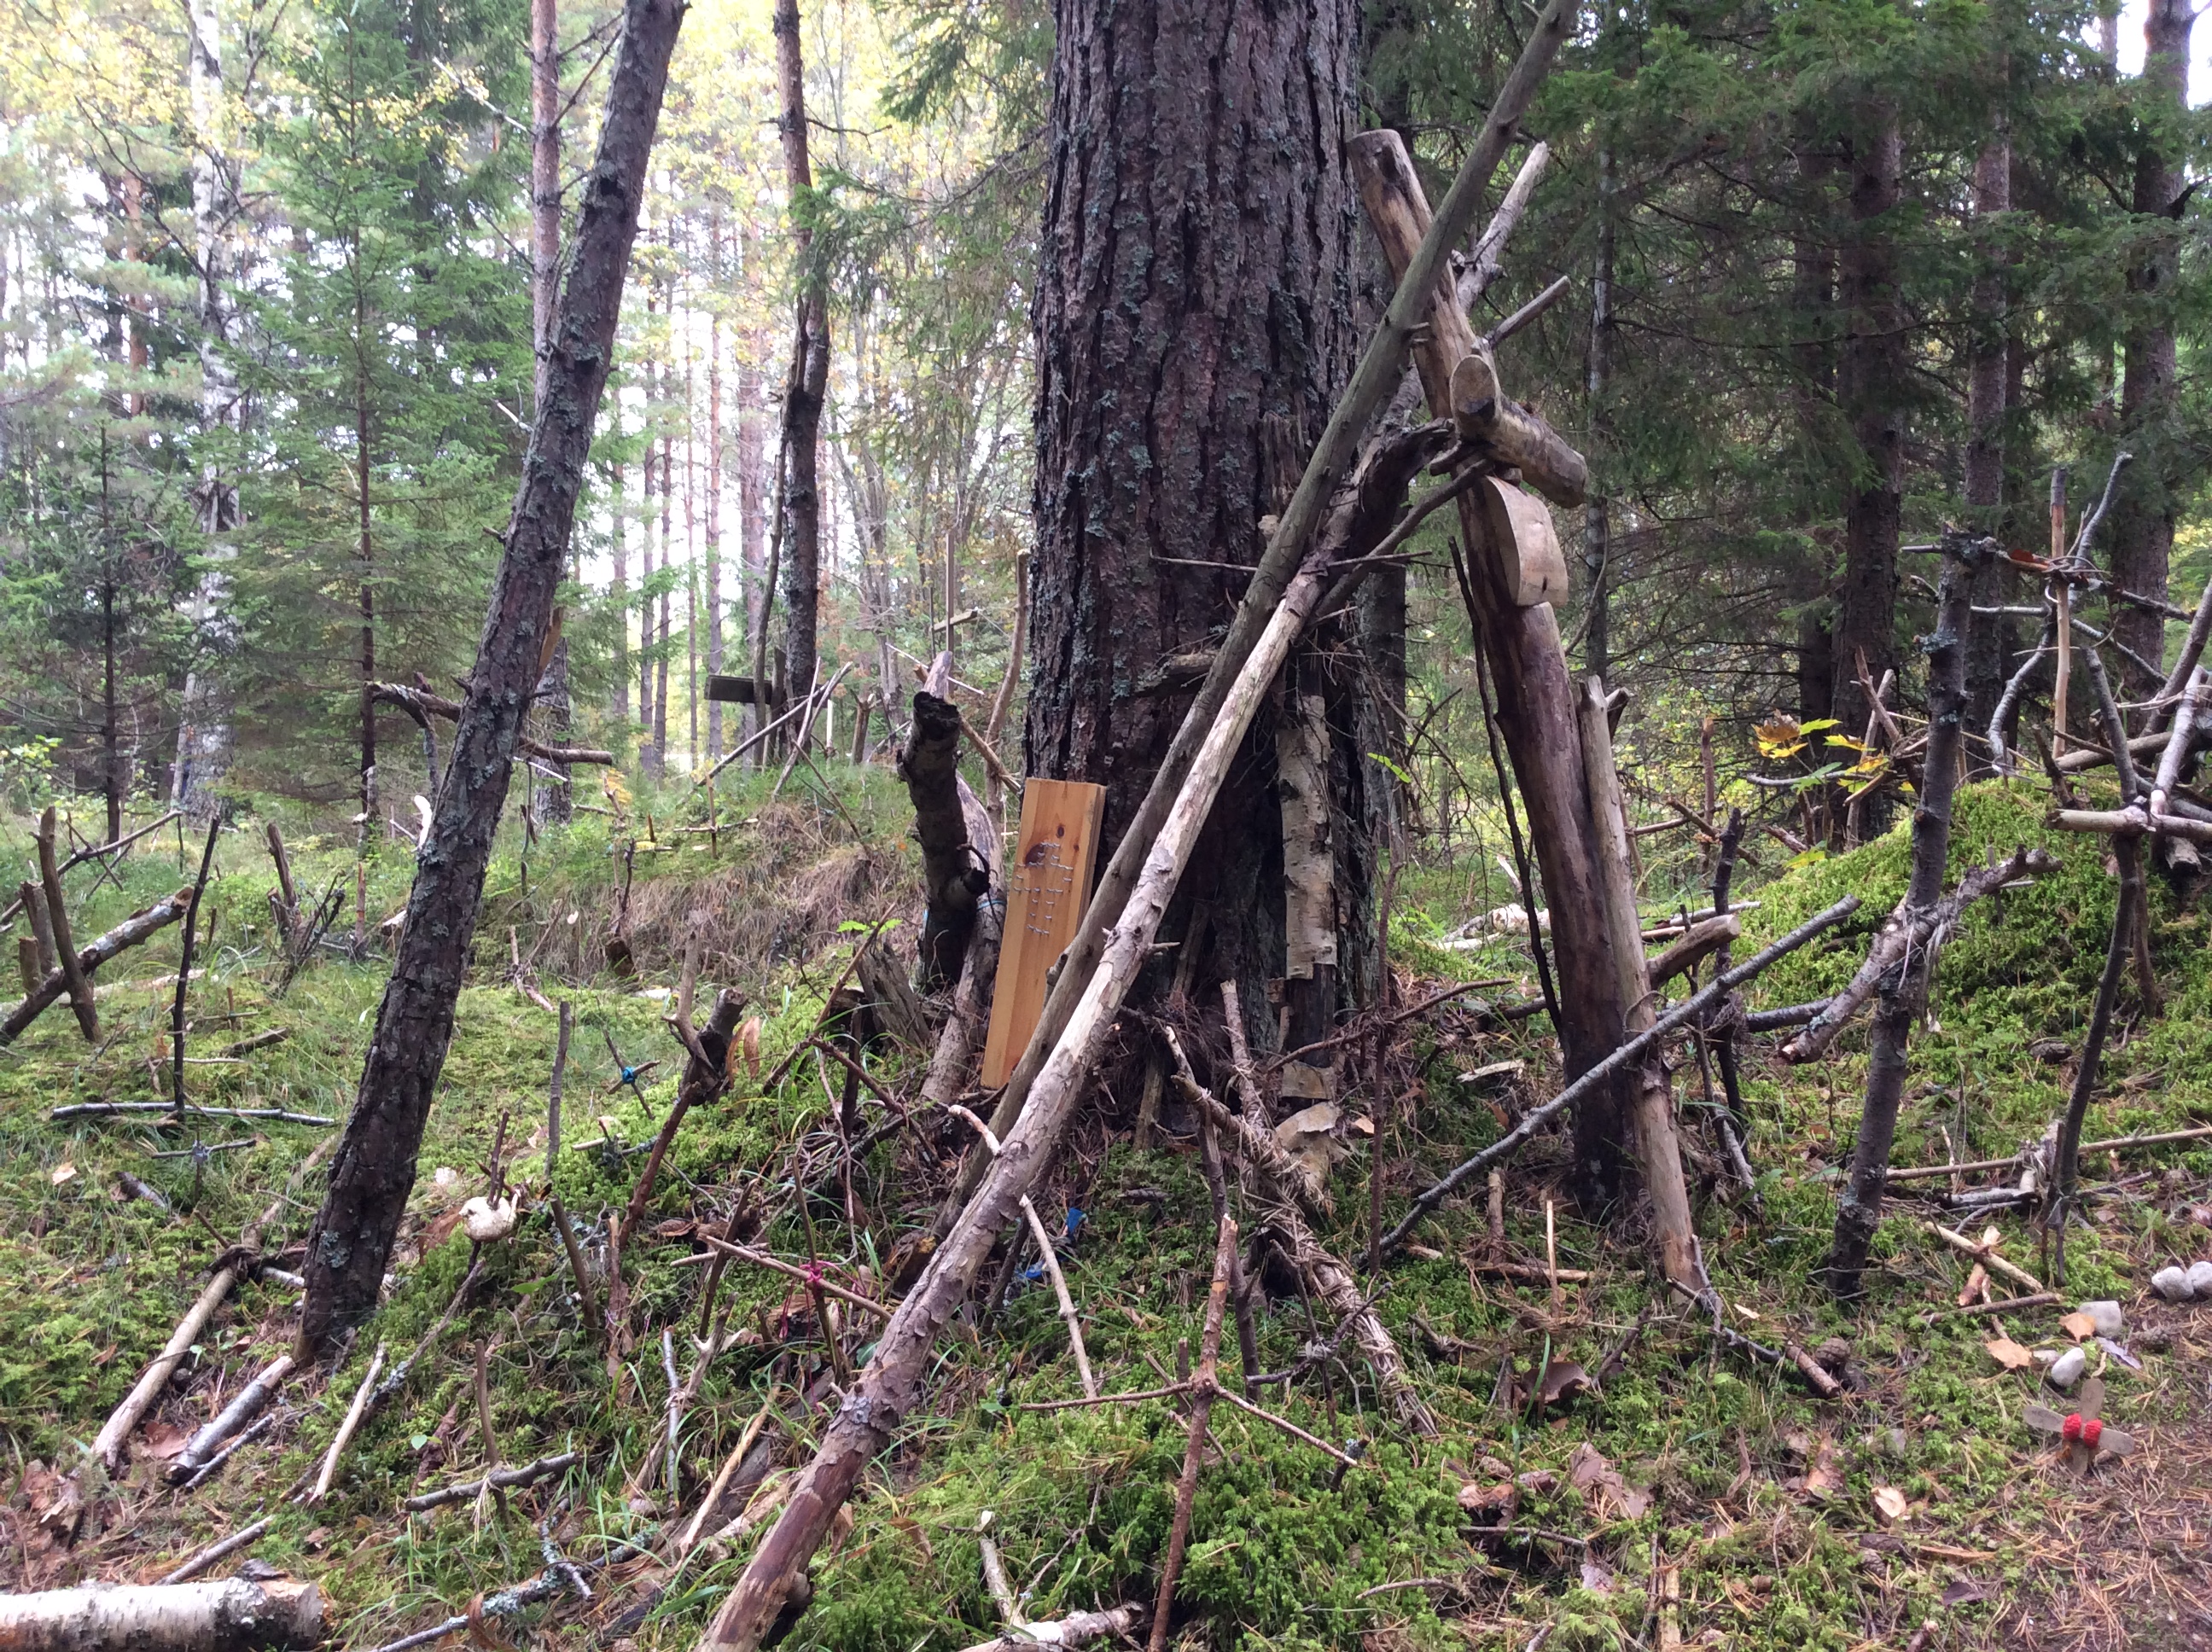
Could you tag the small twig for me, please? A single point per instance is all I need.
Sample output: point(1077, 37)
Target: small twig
point(2010, 1304)
point(1051, 1261)
point(499, 1479)
point(200, 1559)
point(354, 1412)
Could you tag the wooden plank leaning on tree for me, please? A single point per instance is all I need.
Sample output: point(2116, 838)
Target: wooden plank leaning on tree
point(375, 1170)
point(1372, 384)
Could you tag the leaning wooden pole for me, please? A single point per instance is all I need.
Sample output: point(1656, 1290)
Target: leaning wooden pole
point(375, 1169)
point(891, 1384)
point(1373, 382)
point(1536, 703)
point(1658, 1150)
point(1858, 1210)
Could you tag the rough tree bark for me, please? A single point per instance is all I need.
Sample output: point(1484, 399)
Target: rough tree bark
point(1194, 323)
point(2144, 517)
point(1871, 387)
point(807, 382)
point(373, 1169)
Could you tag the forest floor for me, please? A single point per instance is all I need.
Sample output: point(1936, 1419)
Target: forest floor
point(1683, 1497)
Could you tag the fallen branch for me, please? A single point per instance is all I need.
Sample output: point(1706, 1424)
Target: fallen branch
point(1284, 1187)
point(127, 934)
point(354, 1412)
point(505, 1603)
point(418, 702)
point(192, 1110)
point(1204, 1388)
point(2010, 1304)
point(1986, 1255)
point(200, 1559)
point(236, 1615)
point(500, 1479)
point(233, 1417)
point(108, 1445)
point(213, 1466)
point(1674, 1020)
point(790, 1270)
point(1902, 934)
point(1789, 1355)
point(1051, 1264)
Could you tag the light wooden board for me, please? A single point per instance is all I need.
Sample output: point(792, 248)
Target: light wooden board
point(1047, 887)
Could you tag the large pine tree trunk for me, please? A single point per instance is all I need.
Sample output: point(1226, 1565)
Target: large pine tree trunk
point(1871, 386)
point(374, 1171)
point(1194, 325)
point(2144, 515)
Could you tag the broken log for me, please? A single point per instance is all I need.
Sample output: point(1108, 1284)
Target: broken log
point(954, 877)
point(1658, 1150)
point(1510, 435)
point(236, 1615)
point(1703, 938)
point(33, 903)
point(56, 905)
point(127, 934)
point(232, 1416)
point(1537, 706)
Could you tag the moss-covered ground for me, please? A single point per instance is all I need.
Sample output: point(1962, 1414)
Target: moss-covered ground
point(1744, 1514)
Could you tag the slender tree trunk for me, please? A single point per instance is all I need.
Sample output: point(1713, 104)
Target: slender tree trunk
point(204, 728)
point(2143, 516)
point(620, 592)
point(1813, 260)
point(1597, 517)
point(366, 549)
point(1858, 1211)
point(1871, 386)
point(807, 385)
point(667, 561)
point(111, 731)
point(374, 1171)
point(715, 474)
point(1989, 661)
point(752, 513)
point(553, 794)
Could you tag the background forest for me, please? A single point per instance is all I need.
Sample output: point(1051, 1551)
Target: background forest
point(1839, 273)
point(1015, 438)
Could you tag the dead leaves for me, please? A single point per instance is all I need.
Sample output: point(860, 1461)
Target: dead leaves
point(1890, 1504)
point(1595, 1477)
point(2009, 1353)
point(2078, 1326)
